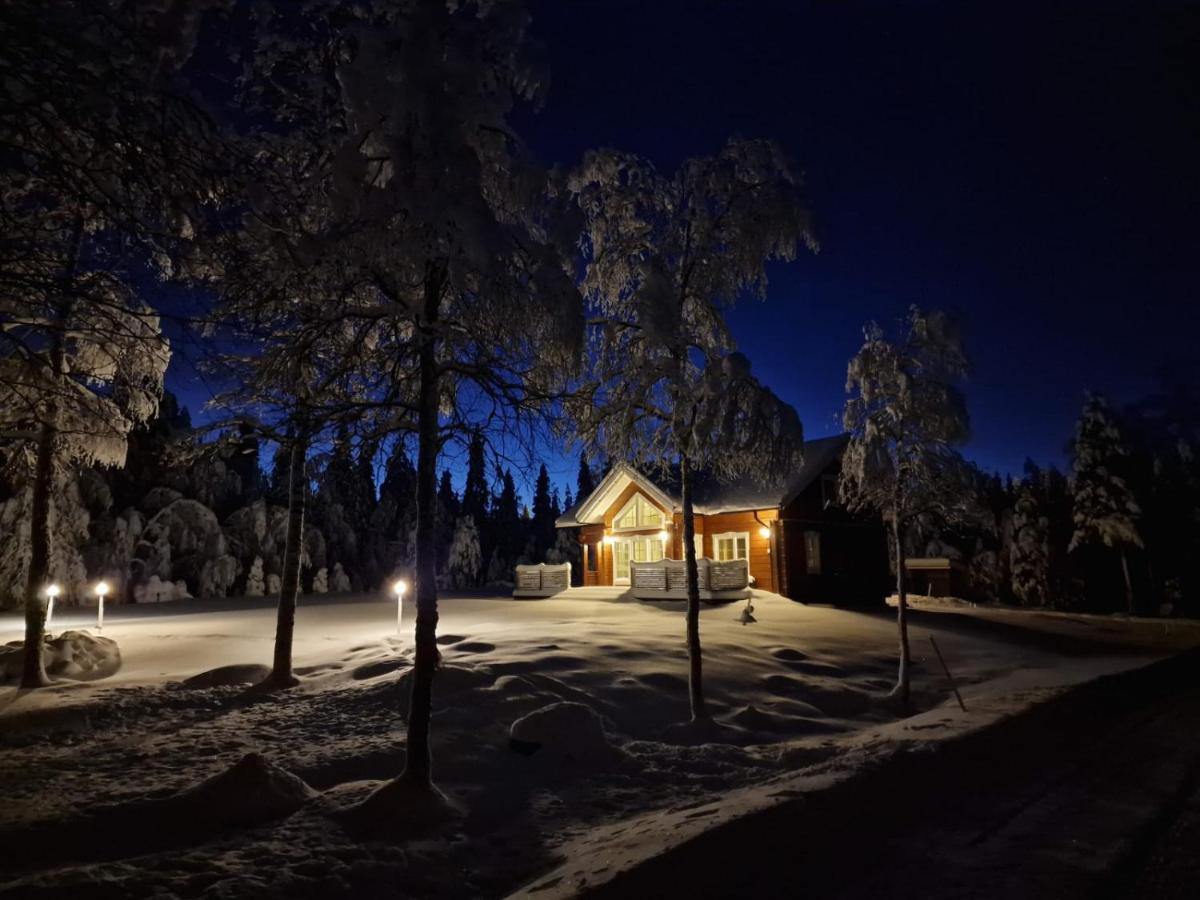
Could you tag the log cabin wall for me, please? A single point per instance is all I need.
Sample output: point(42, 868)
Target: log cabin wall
point(760, 548)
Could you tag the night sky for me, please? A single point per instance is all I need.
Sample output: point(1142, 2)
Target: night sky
point(1030, 167)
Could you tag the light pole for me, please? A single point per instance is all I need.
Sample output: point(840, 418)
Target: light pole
point(399, 588)
point(101, 590)
point(52, 591)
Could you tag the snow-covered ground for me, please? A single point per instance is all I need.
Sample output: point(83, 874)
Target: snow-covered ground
point(797, 696)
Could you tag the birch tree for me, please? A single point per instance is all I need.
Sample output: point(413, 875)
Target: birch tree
point(1104, 510)
point(106, 166)
point(906, 415)
point(450, 237)
point(667, 256)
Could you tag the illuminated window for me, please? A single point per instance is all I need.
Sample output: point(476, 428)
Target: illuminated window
point(638, 513)
point(733, 545)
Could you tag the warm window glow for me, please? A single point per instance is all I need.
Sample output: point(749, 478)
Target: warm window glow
point(734, 545)
point(638, 513)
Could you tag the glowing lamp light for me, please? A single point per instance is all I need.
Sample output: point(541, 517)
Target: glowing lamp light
point(399, 589)
point(101, 590)
point(662, 536)
point(609, 539)
point(764, 532)
point(52, 591)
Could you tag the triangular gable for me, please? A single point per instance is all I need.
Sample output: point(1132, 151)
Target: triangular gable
point(590, 511)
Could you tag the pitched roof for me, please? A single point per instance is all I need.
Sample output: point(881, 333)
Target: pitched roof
point(710, 496)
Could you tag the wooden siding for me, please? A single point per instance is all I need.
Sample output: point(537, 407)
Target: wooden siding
point(761, 563)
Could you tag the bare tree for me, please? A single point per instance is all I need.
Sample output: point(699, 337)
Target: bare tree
point(667, 255)
point(906, 415)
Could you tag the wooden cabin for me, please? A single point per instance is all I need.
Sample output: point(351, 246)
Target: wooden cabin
point(796, 539)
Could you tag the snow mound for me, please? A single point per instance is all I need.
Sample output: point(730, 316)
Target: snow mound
point(448, 681)
point(565, 731)
point(251, 791)
point(74, 655)
point(225, 676)
point(398, 808)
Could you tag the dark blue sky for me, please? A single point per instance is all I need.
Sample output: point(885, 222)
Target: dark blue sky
point(1031, 167)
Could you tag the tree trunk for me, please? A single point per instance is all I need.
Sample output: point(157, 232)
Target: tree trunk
point(281, 672)
point(33, 673)
point(418, 763)
point(1128, 581)
point(903, 683)
point(695, 662)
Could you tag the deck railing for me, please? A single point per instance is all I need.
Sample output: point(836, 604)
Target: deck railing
point(671, 575)
point(542, 580)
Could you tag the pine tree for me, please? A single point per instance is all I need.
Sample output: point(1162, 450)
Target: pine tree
point(1104, 509)
point(584, 484)
point(543, 513)
point(1030, 550)
point(475, 492)
point(447, 498)
point(466, 560)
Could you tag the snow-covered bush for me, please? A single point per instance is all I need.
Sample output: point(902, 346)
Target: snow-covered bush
point(185, 540)
point(274, 585)
point(254, 580)
point(320, 584)
point(155, 590)
point(341, 581)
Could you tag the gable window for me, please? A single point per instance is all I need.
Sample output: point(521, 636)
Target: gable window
point(731, 545)
point(638, 513)
point(812, 552)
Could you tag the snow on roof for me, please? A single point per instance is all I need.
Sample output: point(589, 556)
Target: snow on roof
point(710, 496)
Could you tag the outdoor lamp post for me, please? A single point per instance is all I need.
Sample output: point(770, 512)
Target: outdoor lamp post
point(52, 591)
point(399, 588)
point(101, 590)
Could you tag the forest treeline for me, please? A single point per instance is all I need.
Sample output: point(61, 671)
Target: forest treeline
point(174, 522)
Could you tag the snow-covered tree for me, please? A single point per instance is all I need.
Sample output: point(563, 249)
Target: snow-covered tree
point(446, 235)
point(905, 415)
point(105, 163)
point(255, 585)
point(465, 559)
point(1030, 551)
point(341, 581)
point(1103, 507)
point(320, 583)
point(667, 255)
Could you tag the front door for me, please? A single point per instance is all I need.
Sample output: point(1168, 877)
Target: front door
point(636, 549)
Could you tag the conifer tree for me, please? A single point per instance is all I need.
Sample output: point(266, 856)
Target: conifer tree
point(543, 513)
point(1030, 550)
point(1104, 510)
point(584, 484)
